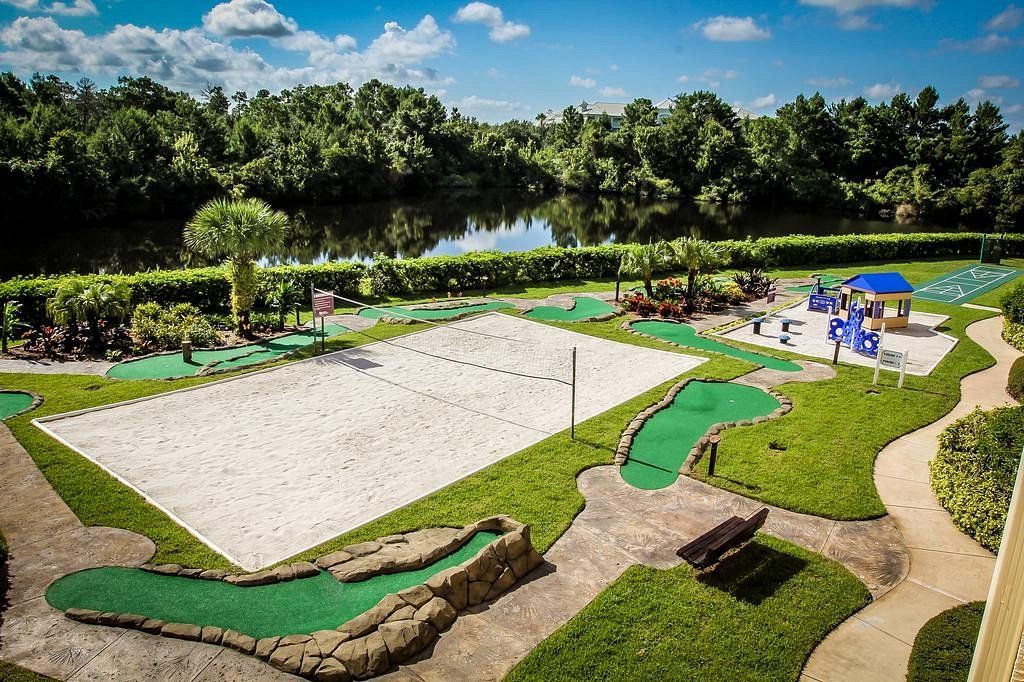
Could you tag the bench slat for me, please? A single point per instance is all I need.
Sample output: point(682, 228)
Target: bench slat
point(707, 549)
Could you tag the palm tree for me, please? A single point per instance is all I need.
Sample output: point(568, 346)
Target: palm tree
point(240, 230)
point(698, 257)
point(284, 295)
point(643, 260)
point(75, 302)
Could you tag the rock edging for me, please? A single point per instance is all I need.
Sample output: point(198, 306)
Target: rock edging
point(399, 627)
point(697, 451)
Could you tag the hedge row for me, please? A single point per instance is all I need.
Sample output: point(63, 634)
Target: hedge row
point(974, 471)
point(1012, 303)
point(207, 288)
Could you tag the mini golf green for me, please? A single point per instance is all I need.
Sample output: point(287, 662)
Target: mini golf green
point(173, 365)
point(295, 607)
point(583, 307)
point(664, 441)
point(13, 402)
point(685, 335)
point(433, 313)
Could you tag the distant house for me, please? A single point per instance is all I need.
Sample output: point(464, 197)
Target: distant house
point(616, 110)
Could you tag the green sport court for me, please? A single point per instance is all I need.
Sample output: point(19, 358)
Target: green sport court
point(964, 284)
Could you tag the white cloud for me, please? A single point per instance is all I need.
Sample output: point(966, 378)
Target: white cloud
point(979, 95)
point(731, 29)
point(845, 6)
point(472, 102)
point(77, 8)
point(769, 100)
point(579, 82)
point(501, 31)
point(608, 91)
point(882, 90)
point(998, 81)
point(856, 22)
point(1007, 20)
point(1013, 109)
point(248, 18)
point(710, 77)
point(613, 67)
point(821, 82)
point(990, 42)
point(190, 59)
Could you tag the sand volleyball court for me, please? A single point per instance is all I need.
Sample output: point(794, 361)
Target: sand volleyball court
point(263, 466)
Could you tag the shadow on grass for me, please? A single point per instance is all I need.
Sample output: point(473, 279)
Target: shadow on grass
point(754, 573)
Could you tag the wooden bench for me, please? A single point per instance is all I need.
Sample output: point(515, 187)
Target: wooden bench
point(708, 549)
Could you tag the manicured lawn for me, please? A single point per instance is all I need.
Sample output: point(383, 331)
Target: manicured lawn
point(819, 458)
point(757, 617)
point(944, 647)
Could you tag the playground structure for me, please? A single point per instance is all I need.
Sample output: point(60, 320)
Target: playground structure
point(851, 333)
point(869, 294)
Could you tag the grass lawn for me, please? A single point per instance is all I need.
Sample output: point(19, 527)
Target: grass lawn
point(757, 617)
point(944, 647)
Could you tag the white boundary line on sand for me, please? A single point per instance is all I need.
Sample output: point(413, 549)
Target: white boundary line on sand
point(41, 421)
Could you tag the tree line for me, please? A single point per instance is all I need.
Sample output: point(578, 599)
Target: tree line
point(80, 154)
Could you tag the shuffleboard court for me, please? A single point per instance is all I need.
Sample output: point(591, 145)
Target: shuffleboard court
point(964, 284)
point(264, 466)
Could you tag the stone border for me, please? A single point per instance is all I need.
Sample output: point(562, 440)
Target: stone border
point(37, 400)
point(627, 326)
point(697, 451)
point(399, 627)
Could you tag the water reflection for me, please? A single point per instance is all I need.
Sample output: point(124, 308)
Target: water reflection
point(445, 222)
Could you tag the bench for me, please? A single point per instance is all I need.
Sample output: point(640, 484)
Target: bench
point(708, 549)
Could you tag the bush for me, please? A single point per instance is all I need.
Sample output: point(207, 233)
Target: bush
point(165, 328)
point(975, 469)
point(1013, 304)
point(206, 288)
point(753, 283)
point(944, 647)
point(639, 304)
point(1015, 384)
point(1013, 334)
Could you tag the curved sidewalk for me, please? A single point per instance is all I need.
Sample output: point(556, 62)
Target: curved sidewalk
point(947, 568)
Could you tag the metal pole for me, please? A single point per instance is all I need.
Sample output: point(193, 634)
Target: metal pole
point(1001, 626)
point(3, 325)
point(572, 410)
point(312, 305)
point(835, 356)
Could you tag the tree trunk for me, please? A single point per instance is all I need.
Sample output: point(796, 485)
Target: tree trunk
point(691, 281)
point(243, 292)
point(648, 287)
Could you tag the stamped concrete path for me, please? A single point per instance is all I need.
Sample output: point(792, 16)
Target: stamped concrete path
point(947, 568)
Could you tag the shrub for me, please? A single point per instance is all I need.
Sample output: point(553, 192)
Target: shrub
point(668, 309)
point(1015, 384)
point(639, 304)
point(975, 468)
point(669, 289)
point(166, 328)
point(1013, 304)
point(1013, 334)
point(753, 283)
point(944, 647)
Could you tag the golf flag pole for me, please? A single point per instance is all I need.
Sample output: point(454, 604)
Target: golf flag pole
point(999, 641)
point(878, 356)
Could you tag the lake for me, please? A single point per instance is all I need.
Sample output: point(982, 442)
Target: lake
point(444, 222)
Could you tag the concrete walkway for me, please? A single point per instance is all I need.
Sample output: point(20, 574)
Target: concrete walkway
point(947, 568)
point(10, 365)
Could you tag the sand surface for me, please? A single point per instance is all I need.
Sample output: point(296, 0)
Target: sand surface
point(264, 466)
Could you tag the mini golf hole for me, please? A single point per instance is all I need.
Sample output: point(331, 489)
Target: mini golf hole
point(776, 448)
point(872, 391)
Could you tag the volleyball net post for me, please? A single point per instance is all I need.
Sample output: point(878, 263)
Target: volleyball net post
point(572, 407)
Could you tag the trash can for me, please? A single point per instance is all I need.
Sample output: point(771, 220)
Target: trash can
point(758, 321)
point(186, 351)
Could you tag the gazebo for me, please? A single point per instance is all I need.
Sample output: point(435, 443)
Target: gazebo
point(876, 290)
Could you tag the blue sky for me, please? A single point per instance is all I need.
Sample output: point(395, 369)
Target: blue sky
point(515, 59)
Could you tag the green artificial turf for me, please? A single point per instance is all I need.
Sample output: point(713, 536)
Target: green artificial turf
point(294, 607)
point(583, 307)
point(664, 441)
point(13, 402)
point(944, 647)
point(827, 281)
point(757, 617)
point(685, 335)
point(173, 365)
point(432, 313)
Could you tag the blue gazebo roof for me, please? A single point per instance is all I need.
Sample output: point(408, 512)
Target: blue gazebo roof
point(880, 283)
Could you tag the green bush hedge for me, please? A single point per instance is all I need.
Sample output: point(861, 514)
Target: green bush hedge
point(975, 469)
point(1013, 304)
point(1015, 384)
point(208, 289)
point(944, 647)
point(1013, 334)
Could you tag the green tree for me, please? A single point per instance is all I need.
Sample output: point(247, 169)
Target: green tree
point(242, 231)
point(643, 260)
point(698, 257)
point(75, 302)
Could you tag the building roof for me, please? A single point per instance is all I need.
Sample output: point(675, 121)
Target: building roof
point(880, 283)
point(613, 109)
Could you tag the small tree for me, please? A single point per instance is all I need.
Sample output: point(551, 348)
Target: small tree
point(643, 260)
point(283, 295)
point(9, 321)
point(698, 257)
point(75, 302)
point(240, 230)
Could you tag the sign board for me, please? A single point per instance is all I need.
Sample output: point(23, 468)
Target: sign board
point(323, 303)
point(829, 304)
point(772, 292)
point(892, 359)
